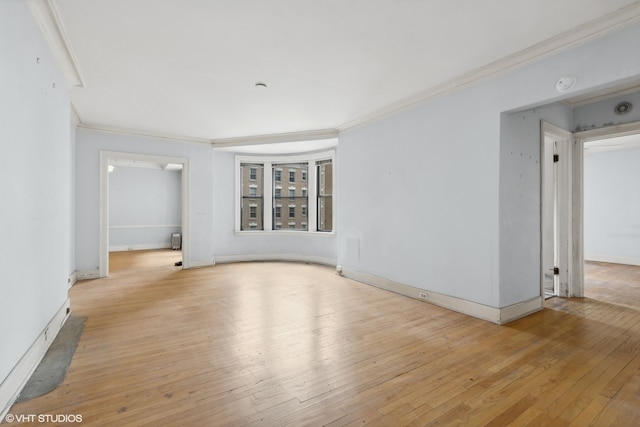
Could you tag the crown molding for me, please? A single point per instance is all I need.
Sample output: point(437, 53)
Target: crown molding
point(142, 133)
point(601, 96)
point(564, 41)
point(47, 18)
point(313, 135)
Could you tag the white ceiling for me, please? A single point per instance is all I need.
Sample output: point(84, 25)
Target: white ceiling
point(188, 68)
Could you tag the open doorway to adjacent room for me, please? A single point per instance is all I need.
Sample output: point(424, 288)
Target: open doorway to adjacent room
point(143, 209)
point(612, 217)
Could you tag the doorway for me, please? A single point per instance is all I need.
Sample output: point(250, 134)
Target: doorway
point(562, 205)
point(611, 208)
point(110, 159)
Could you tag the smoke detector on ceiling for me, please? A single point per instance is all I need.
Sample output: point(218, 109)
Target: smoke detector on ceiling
point(565, 83)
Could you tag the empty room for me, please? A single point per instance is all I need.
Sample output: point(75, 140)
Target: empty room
point(286, 212)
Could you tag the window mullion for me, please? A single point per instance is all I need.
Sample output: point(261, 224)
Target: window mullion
point(267, 193)
point(312, 194)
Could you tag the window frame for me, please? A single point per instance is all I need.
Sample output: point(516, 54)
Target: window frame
point(269, 185)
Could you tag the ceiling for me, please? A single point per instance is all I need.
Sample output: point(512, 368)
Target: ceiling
point(189, 68)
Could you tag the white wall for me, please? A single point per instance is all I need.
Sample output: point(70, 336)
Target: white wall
point(88, 148)
point(602, 114)
point(417, 199)
point(145, 207)
point(439, 179)
point(212, 207)
point(612, 206)
point(35, 171)
point(520, 199)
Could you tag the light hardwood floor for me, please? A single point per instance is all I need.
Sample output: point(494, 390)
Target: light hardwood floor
point(289, 344)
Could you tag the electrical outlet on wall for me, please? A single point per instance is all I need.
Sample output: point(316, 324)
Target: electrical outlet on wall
point(422, 295)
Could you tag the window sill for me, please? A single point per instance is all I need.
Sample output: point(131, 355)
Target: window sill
point(284, 232)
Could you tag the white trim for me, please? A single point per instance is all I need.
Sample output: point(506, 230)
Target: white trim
point(224, 259)
point(201, 263)
point(577, 288)
point(624, 129)
point(105, 158)
point(88, 274)
point(20, 374)
point(273, 161)
point(593, 97)
point(142, 133)
point(576, 244)
point(143, 247)
point(552, 46)
point(145, 226)
point(499, 316)
point(613, 259)
point(285, 231)
point(313, 135)
point(73, 278)
point(521, 309)
point(569, 284)
point(46, 16)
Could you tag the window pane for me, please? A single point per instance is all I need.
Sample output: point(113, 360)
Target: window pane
point(293, 198)
point(251, 203)
point(325, 196)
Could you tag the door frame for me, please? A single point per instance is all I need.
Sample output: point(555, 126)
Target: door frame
point(578, 187)
point(105, 158)
point(571, 202)
point(566, 236)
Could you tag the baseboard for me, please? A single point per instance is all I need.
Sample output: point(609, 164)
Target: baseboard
point(520, 310)
point(73, 278)
point(613, 259)
point(143, 247)
point(201, 263)
point(93, 273)
point(20, 374)
point(222, 259)
point(499, 316)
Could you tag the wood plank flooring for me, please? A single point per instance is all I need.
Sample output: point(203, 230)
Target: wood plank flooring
point(290, 344)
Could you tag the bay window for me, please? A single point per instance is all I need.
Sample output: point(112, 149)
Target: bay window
point(307, 199)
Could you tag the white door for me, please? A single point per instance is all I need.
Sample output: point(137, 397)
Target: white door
point(556, 205)
point(549, 195)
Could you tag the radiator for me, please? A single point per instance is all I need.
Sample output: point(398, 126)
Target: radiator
point(176, 241)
